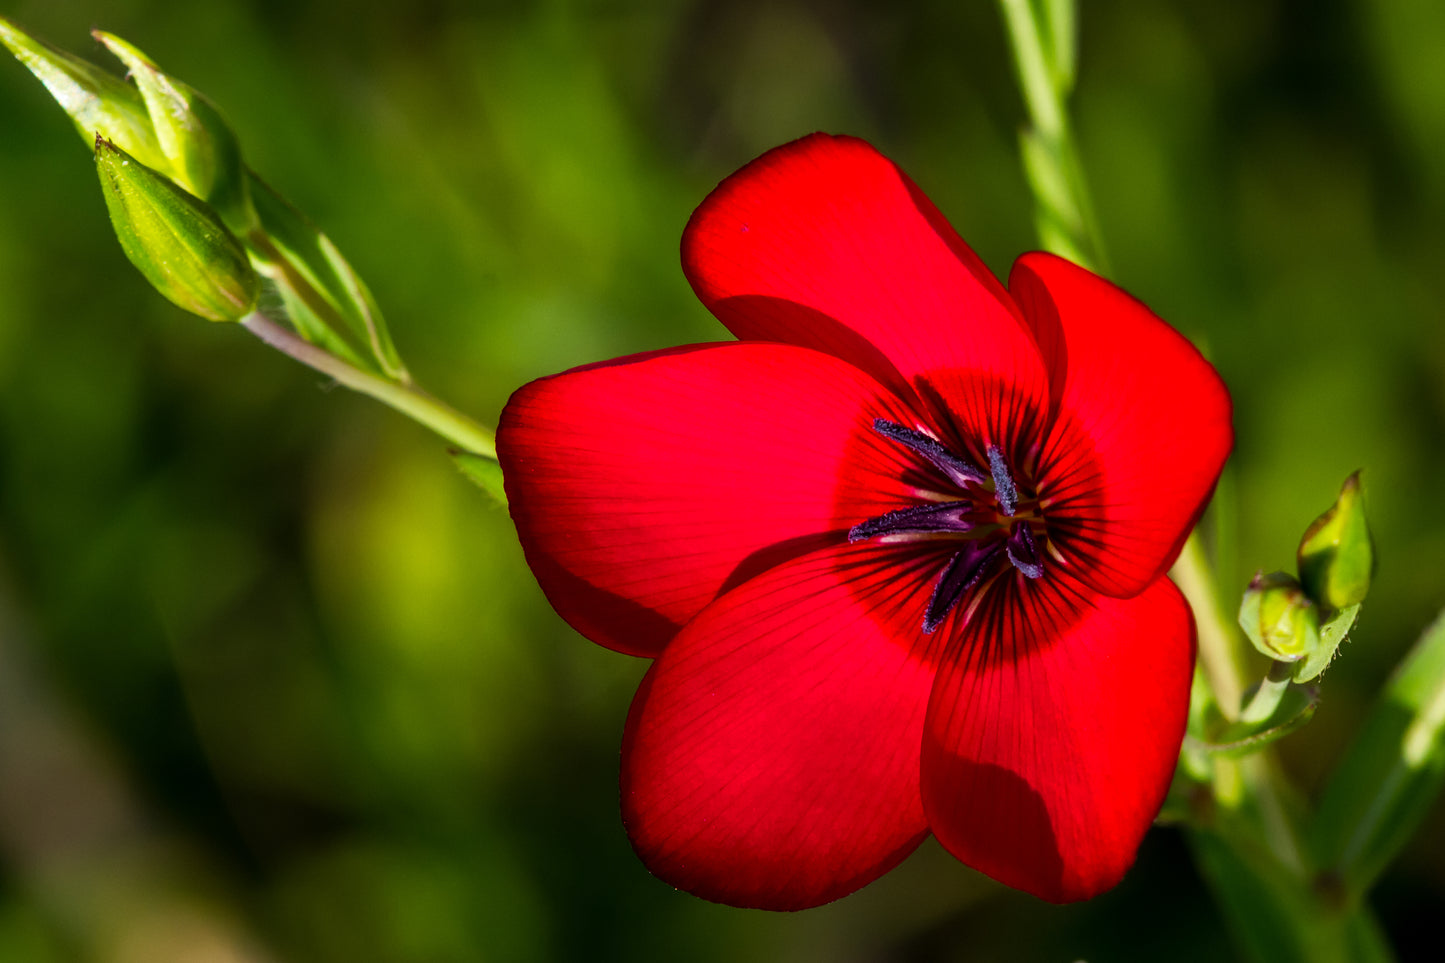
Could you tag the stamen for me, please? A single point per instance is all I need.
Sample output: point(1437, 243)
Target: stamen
point(958, 471)
point(1023, 551)
point(962, 571)
point(916, 519)
point(1003, 482)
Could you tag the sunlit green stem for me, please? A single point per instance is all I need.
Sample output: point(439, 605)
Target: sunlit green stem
point(1219, 650)
point(1266, 698)
point(1042, 36)
point(411, 401)
point(1249, 849)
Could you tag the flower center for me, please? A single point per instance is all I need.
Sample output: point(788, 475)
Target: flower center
point(984, 516)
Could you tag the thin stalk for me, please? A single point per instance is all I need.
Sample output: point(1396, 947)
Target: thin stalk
point(1251, 852)
point(1219, 651)
point(411, 401)
point(1052, 159)
point(1266, 698)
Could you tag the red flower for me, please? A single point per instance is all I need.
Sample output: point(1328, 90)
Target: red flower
point(899, 553)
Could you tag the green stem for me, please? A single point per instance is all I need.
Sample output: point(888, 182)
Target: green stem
point(1249, 850)
point(1040, 92)
point(1067, 224)
point(1219, 652)
point(1266, 698)
point(411, 401)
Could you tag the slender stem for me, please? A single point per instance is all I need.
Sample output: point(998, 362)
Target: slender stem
point(1051, 158)
point(411, 401)
point(1035, 77)
point(1266, 698)
point(1219, 652)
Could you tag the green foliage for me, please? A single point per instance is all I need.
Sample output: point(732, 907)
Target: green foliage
point(1392, 774)
point(485, 473)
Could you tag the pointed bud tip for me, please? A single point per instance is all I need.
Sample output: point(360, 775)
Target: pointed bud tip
point(1336, 555)
point(176, 240)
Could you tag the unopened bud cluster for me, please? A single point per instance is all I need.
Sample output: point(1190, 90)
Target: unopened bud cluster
point(189, 214)
point(1303, 619)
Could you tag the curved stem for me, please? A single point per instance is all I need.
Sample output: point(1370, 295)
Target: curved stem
point(1219, 654)
point(411, 401)
point(1266, 698)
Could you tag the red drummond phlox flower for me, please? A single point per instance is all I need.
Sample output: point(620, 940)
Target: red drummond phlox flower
point(899, 553)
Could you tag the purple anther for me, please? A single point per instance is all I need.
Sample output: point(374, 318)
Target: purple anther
point(1023, 551)
point(1003, 482)
point(965, 568)
point(957, 470)
point(916, 520)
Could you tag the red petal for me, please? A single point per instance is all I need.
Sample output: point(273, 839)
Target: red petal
point(824, 242)
point(771, 757)
point(1142, 432)
point(1053, 731)
point(643, 487)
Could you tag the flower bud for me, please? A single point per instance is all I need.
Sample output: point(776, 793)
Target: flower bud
point(98, 102)
point(202, 150)
point(1279, 618)
point(1337, 555)
point(176, 240)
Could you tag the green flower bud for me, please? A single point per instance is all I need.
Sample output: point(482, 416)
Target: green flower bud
point(98, 102)
point(1337, 555)
point(1279, 618)
point(176, 240)
point(204, 155)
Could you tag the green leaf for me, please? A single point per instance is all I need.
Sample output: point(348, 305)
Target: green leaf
point(200, 145)
point(1382, 789)
point(1332, 633)
point(326, 301)
point(1296, 708)
point(175, 239)
point(485, 473)
point(97, 101)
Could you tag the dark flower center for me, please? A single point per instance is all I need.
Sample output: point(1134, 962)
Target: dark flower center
point(982, 517)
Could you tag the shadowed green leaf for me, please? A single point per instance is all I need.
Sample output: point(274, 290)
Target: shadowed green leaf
point(485, 473)
point(1296, 708)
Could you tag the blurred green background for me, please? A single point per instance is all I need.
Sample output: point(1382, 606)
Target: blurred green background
point(275, 684)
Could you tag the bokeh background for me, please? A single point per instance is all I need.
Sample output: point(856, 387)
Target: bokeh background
point(275, 683)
